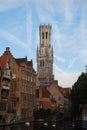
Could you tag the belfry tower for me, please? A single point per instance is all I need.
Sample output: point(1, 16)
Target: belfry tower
point(44, 57)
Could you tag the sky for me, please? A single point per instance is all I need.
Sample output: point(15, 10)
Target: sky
point(19, 30)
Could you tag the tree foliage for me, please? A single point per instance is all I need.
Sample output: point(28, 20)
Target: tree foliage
point(43, 114)
point(47, 115)
point(79, 93)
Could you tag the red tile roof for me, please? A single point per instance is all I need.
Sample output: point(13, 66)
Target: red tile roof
point(67, 90)
point(45, 92)
point(3, 60)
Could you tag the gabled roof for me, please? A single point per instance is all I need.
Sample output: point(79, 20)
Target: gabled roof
point(57, 88)
point(30, 63)
point(3, 61)
point(45, 92)
point(67, 90)
point(62, 91)
point(23, 60)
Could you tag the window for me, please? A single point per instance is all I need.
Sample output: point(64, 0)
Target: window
point(49, 35)
point(42, 44)
point(4, 94)
point(37, 93)
point(46, 34)
point(2, 106)
point(41, 63)
point(13, 102)
point(59, 98)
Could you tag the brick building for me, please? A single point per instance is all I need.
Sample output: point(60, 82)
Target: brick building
point(28, 87)
point(21, 97)
point(53, 97)
point(5, 80)
point(44, 99)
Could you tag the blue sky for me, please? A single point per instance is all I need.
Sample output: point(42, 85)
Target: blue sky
point(19, 30)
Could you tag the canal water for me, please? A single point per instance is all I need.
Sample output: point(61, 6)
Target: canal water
point(57, 126)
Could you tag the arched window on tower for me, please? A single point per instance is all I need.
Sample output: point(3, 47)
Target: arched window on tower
point(42, 35)
point(46, 34)
point(41, 63)
point(49, 35)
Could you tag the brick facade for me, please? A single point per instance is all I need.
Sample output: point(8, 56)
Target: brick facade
point(21, 100)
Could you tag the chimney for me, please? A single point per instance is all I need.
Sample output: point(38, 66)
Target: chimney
point(7, 48)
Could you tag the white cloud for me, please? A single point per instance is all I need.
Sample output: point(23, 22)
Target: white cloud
point(29, 27)
point(72, 61)
point(61, 59)
point(9, 4)
point(67, 9)
point(59, 70)
point(57, 36)
point(65, 79)
point(83, 56)
point(44, 15)
point(11, 38)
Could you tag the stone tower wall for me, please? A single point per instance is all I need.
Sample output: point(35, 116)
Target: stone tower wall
point(44, 57)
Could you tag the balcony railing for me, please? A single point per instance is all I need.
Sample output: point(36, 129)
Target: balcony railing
point(6, 87)
point(7, 74)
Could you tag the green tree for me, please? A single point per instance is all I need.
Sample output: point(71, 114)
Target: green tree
point(79, 94)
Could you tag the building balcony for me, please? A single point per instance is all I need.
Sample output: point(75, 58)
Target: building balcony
point(5, 87)
point(8, 76)
point(5, 99)
point(5, 84)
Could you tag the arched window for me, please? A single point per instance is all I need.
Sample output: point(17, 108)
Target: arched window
point(41, 63)
point(42, 35)
point(46, 34)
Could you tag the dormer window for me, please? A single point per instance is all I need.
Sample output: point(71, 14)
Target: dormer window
point(7, 70)
point(7, 65)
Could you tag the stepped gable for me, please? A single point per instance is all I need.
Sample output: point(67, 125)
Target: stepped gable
point(21, 60)
point(30, 63)
point(24, 60)
point(7, 52)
